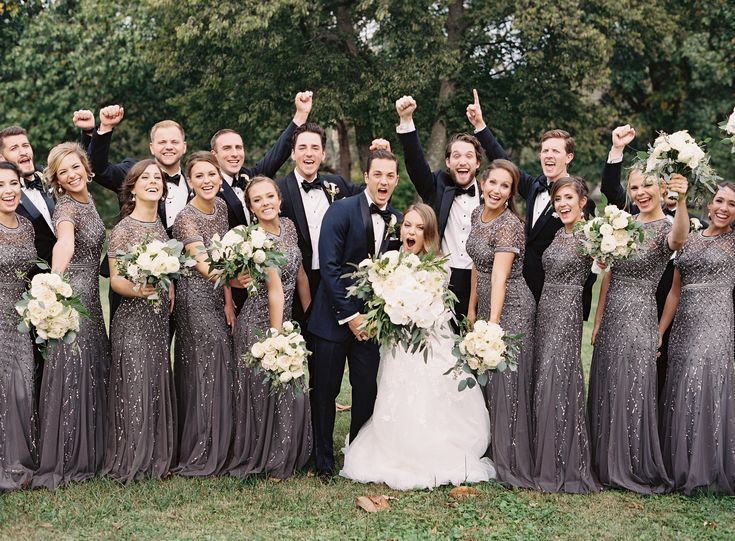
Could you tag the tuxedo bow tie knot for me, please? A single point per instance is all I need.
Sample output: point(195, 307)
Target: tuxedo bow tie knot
point(544, 185)
point(34, 184)
point(175, 179)
point(465, 191)
point(308, 186)
point(385, 214)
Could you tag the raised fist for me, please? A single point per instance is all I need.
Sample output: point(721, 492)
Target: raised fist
point(83, 119)
point(110, 117)
point(405, 106)
point(622, 136)
point(304, 101)
point(474, 112)
point(380, 144)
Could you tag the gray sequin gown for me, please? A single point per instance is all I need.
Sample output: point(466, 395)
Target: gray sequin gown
point(73, 388)
point(203, 370)
point(508, 393)
point(562, 456)
point(18, 438)
point(272, 430)
point(140, 414)
point(626, 450)
point(699, 398)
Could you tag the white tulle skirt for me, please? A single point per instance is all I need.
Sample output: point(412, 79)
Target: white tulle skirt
point(423, 432)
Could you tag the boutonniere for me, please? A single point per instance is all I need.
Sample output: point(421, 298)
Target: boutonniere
point(332, 190)
point(390, 227)
point(694, 224)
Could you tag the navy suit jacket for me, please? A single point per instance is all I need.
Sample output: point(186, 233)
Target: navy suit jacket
point(292, 206)
point(346, 238)
point(44, 237)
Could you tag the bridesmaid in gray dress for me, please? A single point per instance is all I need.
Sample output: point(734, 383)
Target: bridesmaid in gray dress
point(626, 450)
point(699, 398)
point(18, 438)
point(203, 354)
point(496, 245)
point(140, 413)
point(73, 397)
point(561, 438)
point(272, 430)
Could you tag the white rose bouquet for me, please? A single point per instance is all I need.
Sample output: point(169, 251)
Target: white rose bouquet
point(486, 348)
point(612, 235)
point(281, 357)
point(156, 263)
point(51, 310)
point(405, 296)
point(728, 127)
point(679, 153)
point(243, 249)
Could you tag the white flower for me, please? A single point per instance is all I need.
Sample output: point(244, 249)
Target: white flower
point(610, 210)
point(285, 377)
point(172, 264)
point(730, 126)
point(259, 256)
point(133, 272)
point(288, 327)
point(608, 244)
point(620, 222)
point(257, 237)
point(691, 155)
point(695, 224)
point(231, 238)
point(622, 237)
point(145, 262)
point(606, 230)
point(154, 247)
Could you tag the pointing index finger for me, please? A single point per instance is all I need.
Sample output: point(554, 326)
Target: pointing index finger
point(475, 96)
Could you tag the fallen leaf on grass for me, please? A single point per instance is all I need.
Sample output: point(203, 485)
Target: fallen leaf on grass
point(372, 504)
point(460, 493)
point(435, 530)
point(342, 407)
point(45, 525)
point(708, 524)
point(634, 505)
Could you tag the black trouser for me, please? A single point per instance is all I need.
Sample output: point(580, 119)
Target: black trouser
point(326, 380)
point(460, 283)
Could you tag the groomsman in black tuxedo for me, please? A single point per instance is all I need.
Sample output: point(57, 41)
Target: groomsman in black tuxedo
point(353, 228)
point(555, 155)
point(227, 146)
point(306, 195)
point(453, 194)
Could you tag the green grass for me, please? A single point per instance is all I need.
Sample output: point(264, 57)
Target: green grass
point(302, 507)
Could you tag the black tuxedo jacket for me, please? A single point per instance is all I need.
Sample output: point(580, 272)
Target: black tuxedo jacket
point(346, 238)
point(292, 206)
point(44, 235)
point(436, 188)
point(540, 235)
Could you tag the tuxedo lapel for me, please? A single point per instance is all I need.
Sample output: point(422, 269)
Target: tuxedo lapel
point(33, 213)
point(444, 208)
point(299, 214)
point(367, 223)
point(228, 194)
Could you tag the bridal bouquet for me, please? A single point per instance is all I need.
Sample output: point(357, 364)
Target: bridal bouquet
point(729, 128)
point(612, 235)
point(51, 310)
point(243, 249)
point(405, 297)
point(156, 263)
point(680, 153)
point(281, 357)
point(486, 348)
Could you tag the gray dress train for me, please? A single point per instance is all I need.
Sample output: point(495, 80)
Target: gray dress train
point(272, 430)
point(626, 450)
point(562, 457)
point(203, 369)
point(18, 434)
point(73, 388)
point(508, 393)
point(699, 398)
point(140, 413)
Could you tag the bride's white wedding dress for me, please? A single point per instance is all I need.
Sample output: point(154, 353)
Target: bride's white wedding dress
point(423, 432)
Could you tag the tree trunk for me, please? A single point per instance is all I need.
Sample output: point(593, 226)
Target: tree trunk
point(455, 28)
point(345, 155)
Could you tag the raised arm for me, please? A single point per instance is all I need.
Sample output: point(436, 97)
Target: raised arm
point(680, 230)
point(611, 186)
point(108, 175)
point(84, 120)
point(417, 167)
point(279, 153)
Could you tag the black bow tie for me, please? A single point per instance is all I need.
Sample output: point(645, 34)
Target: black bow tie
point(308, 186)
point(34, 183)
point(385, 214)
point(465, 191)
point(544, 185)
point(175, 179)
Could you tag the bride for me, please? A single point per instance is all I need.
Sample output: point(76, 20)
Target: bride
point(423, 432)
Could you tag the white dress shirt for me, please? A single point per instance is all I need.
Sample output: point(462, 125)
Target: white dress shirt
point(459, 223)
point(36, 197)
point(378, 233)
point(539, 205)
point(315, 207)
point(176, 199)
point(239, 193)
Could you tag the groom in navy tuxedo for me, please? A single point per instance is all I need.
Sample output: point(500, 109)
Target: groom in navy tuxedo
point(353, 228)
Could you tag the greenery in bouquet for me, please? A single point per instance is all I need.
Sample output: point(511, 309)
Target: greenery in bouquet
point(728, 126)
point(406, 297)
point(243, 250)
point(280, 356)
point(484, 349)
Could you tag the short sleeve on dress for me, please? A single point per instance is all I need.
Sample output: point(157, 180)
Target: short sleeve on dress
point(65, 211)
point(509, 236)
point(186, 228)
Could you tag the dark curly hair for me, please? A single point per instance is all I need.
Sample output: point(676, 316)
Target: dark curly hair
point(127, 201)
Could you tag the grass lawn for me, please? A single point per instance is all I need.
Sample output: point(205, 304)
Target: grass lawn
point(304, 508)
